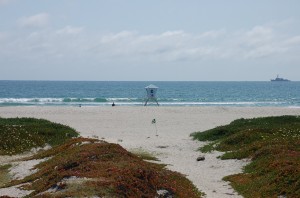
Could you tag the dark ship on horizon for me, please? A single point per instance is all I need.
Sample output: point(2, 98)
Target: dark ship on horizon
point(277, 79)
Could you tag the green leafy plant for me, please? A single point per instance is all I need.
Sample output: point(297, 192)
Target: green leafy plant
point(145, 155)
point(105, 170)
point(18, 135)
point(273, 144)
point(4, 174)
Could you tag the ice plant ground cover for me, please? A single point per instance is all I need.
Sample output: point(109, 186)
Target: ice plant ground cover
point(101, 169)
point(272, 144)
point(83, 167)
point(4, 175)
point(18, 135)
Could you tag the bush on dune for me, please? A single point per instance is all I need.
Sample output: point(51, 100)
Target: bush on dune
point(83, 167)
point(273, 144)
point(18, 135)
point(103, 169)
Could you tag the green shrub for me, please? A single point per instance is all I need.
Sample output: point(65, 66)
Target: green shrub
point(22, 134)
point(4, 174)
point(273, 144)
point(106, 170)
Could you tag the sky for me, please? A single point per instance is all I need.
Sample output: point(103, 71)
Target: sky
point(149, 40)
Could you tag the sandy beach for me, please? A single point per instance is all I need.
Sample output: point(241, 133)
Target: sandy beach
point(169, 138)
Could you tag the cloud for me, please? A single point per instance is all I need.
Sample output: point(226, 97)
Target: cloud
point(255, 43)
point(258, 35)
point(169, 46)
point(112, 37)
point(124, 44)
point(70, 30)
point(293, 41)
point(213, 34)
point(258, 42)
point(38, 20)
point(166, 46)
point(264, 51)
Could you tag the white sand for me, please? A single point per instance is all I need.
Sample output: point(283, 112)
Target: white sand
point(14, 191)
point(131, 127)
point(21, 169)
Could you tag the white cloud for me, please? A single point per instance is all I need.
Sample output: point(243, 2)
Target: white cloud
point(258, 35)
point(70, 30)
point(126, 35)
point(258, 42)
point(173, 33)
point(167, 46)
point(214, 34)
point(264, 51)
point(38, 20)
point(293, 41)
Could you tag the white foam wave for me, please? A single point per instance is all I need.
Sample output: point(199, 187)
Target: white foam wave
point(131, 102)
point(29, 100)
point(121, 99)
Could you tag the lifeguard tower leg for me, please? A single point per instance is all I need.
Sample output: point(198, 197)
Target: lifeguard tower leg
point(146, 102)
point(157, 102)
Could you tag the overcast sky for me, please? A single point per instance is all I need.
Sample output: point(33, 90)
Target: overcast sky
point(190, 40)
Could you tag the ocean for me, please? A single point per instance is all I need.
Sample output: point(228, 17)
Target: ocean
point(126, 93)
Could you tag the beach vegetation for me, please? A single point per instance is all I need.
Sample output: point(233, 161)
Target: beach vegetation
point(83, 167)
point(18, 135)
point(272, 144)
point(145, 155)
point(207, 148)
point(4, 174)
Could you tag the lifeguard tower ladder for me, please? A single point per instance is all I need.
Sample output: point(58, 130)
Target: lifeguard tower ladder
point(151, 94)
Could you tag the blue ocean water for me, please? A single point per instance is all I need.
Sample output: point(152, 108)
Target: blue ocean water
point(103, 93)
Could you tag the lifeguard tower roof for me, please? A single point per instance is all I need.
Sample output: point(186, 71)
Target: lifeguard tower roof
point(151, 87)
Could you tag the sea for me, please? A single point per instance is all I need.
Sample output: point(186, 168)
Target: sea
point(133, 93)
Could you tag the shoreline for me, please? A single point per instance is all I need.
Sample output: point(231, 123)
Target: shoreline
point(162, 105)
point(131, 127)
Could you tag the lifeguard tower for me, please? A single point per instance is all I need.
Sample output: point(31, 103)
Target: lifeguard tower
point(151, 94)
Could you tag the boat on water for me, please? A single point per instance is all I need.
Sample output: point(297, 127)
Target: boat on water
point(277, 79)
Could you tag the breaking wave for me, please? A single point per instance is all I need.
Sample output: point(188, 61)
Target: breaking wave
point(129, 102)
